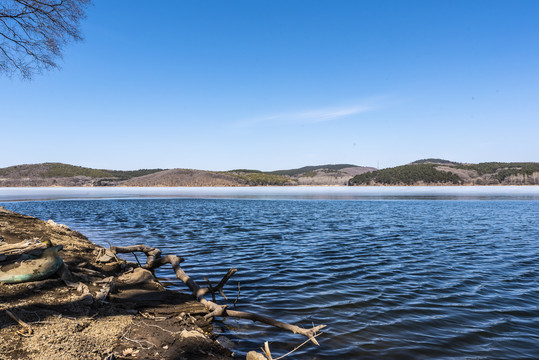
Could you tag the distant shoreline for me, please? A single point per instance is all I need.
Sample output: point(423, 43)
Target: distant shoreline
point(485, 192)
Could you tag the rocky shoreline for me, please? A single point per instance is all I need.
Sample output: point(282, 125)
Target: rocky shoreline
point(139, 319)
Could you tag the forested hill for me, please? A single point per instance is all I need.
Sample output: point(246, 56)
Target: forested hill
point(444, 172)
point(421, 172)
point(58, 174)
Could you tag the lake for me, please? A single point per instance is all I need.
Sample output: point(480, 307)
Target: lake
point(395, 273)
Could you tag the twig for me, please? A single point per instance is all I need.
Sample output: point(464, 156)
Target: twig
point(212, 291)
point(124, 336)
point(28, 329)
point(223, 281)
point(113, 252)
point(139, 342)
point(165, 330)
point(237, 297)
point(297, 347)
point(136, 258)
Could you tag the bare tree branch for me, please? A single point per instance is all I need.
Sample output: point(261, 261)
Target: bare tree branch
point(33, 33)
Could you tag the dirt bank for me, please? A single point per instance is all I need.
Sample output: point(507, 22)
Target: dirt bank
point(138, 320)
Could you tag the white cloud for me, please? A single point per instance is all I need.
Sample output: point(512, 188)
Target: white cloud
point(327, 114)
point(311, 116)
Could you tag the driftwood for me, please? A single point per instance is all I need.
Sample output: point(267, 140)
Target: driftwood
point(154, 260)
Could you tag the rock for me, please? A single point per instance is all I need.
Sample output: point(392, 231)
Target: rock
point(62, 226)
point(138, 276)
point(83, 288)
point(191, 334)
point(225, 342)
point(108, 256)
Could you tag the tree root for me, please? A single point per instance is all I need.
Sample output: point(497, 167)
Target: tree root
point(154, 260)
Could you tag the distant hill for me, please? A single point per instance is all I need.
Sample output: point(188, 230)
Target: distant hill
point(443, 172)
point(259, 178)
point(308, 169)
point(331, 174)
point(58, 174)
point(184, 177)
point(420, 172)
point(309, 175)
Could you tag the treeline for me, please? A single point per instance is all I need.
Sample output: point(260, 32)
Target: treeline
point(65, 170)
point(433, 161)
point(59, 170)
point(311, 169)
point(502, 170)
point(440, 172)
point(259, 178)
point(407, 175)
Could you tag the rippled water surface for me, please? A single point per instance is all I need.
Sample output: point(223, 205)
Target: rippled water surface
point(392, 279)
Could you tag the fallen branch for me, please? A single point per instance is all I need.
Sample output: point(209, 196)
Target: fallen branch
point(151, 253)
point(154, 261)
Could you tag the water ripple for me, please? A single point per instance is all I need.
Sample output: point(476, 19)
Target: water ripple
point(392, 279)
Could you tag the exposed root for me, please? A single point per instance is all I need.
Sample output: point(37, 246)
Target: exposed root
point(154, 260)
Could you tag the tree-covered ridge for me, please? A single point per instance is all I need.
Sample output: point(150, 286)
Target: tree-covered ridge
point(59, 170)
point(66, 170)
point(244, 171)
point(525, 169)
point(501, 169)
point(309, 169)
point(256, 177)
point(433, 161)
point(406, 175)
point(46, 170)
point(434, 171)
point(129, 174)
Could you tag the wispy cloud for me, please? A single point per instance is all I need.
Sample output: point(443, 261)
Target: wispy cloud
point(317, 115)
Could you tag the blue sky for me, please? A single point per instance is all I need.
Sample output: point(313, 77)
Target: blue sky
point(270, 85)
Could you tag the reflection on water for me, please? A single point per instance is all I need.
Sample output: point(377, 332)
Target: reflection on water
point(395, 279)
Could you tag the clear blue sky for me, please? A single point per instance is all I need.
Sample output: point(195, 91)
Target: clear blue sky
point(270, 85)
